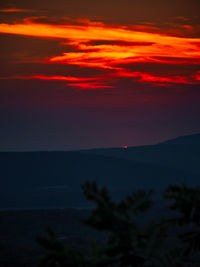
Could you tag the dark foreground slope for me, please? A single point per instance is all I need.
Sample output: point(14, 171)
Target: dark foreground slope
point(53, 179)
point(19, 229)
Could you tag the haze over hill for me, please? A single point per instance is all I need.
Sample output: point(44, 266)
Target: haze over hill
point(53, 179)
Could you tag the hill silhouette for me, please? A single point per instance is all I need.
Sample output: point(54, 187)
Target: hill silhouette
point(53, 179)
point(182, 153)
point(193, 139)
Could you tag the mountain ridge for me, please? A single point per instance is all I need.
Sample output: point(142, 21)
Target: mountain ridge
point(53, 179)
point(181, 153)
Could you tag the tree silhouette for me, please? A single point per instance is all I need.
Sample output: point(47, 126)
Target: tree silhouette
point(128, 242)
point(186, 202)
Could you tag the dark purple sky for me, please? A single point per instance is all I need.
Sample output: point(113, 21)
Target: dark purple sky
point(85, 74)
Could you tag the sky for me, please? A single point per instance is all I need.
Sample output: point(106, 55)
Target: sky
point(86, 74)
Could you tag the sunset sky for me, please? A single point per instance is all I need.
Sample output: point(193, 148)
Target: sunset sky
point(85, 74)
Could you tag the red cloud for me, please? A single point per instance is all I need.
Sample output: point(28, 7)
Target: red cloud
point(92, 85)
point(197, 76)
point(160, 80)
point(100, 81)
point(81, 82)
point(56, 78)
point(17, 10)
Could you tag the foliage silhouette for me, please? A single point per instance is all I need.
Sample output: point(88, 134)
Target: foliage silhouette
point(129, 243)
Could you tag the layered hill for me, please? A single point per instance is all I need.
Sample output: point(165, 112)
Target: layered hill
point(53, 179)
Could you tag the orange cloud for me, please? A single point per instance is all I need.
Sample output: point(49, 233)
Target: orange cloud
point(110, 56)
point(94, 31)
point(112, 47)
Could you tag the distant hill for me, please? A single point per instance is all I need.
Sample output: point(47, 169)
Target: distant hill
point(182, 153)
point(53, 179)
point(193, 139)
